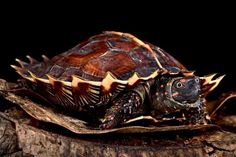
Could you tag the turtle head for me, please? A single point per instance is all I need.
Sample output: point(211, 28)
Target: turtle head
point(174, 92)
point(183, 90)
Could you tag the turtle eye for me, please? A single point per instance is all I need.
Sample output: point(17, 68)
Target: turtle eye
point(179, 85)
point(197, 79)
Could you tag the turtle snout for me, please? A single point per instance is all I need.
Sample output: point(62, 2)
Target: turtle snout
point(193, 84)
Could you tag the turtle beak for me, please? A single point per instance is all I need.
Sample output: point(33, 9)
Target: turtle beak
point(208, 83)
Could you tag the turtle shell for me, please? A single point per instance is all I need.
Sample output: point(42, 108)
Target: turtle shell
point(97, 69)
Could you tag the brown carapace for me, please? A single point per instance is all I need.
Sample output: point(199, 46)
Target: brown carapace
point(122, 75)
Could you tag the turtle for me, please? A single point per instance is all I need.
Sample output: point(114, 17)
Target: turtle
point(122, 76)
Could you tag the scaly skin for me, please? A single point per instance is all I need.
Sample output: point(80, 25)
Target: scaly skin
point(127, 106)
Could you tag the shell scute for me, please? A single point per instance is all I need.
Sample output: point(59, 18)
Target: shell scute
point(113, 64)
point(56, 71)
point(166, 59)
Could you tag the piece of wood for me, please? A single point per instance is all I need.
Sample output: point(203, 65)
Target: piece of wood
point(22, 135)
point(8, 137)
point(25, 140)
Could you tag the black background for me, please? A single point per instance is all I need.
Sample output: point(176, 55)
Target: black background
point(201, 36)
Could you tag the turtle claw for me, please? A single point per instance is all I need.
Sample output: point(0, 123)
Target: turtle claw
point(109, 124)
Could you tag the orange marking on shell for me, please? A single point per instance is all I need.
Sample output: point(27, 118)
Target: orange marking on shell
point(51, 79)
point(188, 73)
point(109, 80)
point(212, 83)
point(76, 80)
point(82, 88)
point(33, 76)
point(133, 79)
point(208, 78)
point(56, 84)
point(113, 32)
point(208, 84)
point(217, 81)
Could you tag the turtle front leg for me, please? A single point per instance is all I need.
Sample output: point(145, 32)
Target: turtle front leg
point(125, 107)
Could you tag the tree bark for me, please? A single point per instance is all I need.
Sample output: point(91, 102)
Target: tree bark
point(18, 139)
point(22, 135)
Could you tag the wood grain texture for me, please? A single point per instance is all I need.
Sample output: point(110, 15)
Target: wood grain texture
point(31, 141)
point(22, 135)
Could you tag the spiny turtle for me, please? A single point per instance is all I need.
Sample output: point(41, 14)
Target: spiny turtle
point(124, 76)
